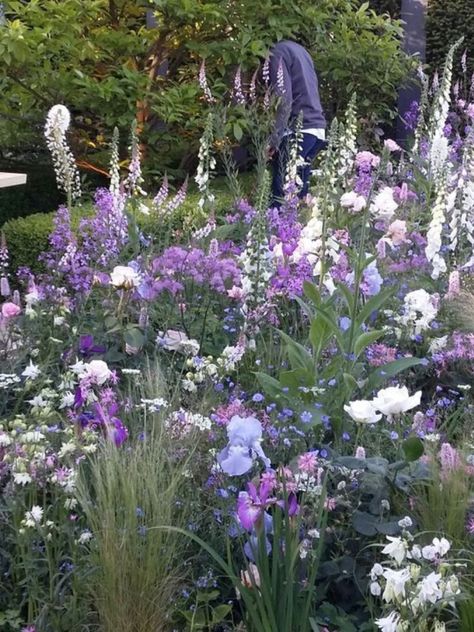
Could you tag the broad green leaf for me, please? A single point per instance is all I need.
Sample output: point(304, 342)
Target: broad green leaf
point(413, 448)
point(134, 338)
point(269, 384)
point(390, 370)
point(364, 340)
point(374, 304)
point(298, 356)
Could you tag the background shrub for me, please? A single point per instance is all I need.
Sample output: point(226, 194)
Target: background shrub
point(447, 22)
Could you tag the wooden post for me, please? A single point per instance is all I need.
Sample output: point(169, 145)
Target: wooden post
point(413, 15)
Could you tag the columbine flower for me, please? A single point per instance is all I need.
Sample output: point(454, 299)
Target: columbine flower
point(438, 548)
point(395, 584)
point(389, 623)
point(34, 516)
point(397, 549)
point(362, 411)
point(245, 437)
point(395, 400)
point(429, 589)
point(32, 371)
point(124, 277)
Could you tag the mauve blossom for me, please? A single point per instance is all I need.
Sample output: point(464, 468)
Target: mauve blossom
point(10, 310)
point(397, 231)
point(391, 145)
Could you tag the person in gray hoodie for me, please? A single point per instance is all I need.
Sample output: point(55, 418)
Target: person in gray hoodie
point(294, 81)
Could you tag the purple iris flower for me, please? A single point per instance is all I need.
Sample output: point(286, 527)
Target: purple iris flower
point(251, 505)
point(245, 437)
point(113, 426)
point(87, 348)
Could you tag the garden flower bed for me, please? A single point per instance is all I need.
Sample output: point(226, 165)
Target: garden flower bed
point(259, 420)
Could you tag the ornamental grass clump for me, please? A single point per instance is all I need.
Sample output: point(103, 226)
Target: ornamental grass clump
point(127, 496)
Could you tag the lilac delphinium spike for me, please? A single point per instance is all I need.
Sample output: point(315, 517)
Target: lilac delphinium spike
point(280, 79)
point(237, 93)
point(4, 284)
point(162, 194)
point(204, 84)
point(178, 199)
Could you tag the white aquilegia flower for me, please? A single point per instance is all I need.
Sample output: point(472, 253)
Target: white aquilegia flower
point(384, 206)
point(362, 411)
point(397, 549)
point(124, 277)
point(389, 623)
point(395, 584)
point(429, 590)
point(33, 517)
point(438, 548)
point(32, 371)
point(395, 400)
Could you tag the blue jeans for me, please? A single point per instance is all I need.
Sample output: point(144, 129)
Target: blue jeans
point(310, 148)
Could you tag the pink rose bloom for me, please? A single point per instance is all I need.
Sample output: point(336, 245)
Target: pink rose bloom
point(391, 145)
point(397, 232)
point(10, 310)
point(235, 292)
point(367, 159)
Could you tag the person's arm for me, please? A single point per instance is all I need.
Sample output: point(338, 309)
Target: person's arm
point(281, 87)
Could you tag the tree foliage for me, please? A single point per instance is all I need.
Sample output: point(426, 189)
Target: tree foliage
point(100, 59)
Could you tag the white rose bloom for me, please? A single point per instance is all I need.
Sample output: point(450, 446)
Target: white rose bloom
point(173, 340)
point(124, 277)
point(98, 371)
point(353, 201)
point(362, 411)
point(384, 206)
point(395, 400)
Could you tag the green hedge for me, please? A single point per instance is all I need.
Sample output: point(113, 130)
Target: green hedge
point(448, 20)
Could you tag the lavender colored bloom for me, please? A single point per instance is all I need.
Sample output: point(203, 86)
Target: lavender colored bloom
point(245, 437)
point(87, 348)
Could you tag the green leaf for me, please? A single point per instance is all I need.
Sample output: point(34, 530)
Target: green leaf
point(270, 385)
point(364, 340)
point(219, 613)
point(390, 370)
point(364, 523)
point(238, 133)
point(134, 338)
point(413, 448)
point(298, 356)
point(311, 291)
point(374, 304)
